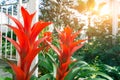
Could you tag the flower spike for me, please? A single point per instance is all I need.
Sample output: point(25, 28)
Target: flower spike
point(27, 44)
point(68, 46)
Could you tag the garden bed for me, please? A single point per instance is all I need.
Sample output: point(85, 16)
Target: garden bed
point(3, 73)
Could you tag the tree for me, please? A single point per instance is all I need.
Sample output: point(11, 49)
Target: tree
point(84, 6)
point(59, 12)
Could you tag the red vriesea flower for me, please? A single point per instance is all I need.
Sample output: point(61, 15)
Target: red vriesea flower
point(49, 39)
point(27, 44)
point(68, 46)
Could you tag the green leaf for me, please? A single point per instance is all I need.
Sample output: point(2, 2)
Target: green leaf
point(48, 76)
point(51, 58)
point(78, 67)
point(79, 63)
point(54, 70)
point(72, 74)
point(1, 78)
point(53, 62)
point(45, 63)
point(102, 74)
point(7, 78)
point(96, 79)
point(33, 78)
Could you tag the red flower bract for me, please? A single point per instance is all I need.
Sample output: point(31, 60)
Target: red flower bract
point(68, 46)
point(49, 39)
point(27, 45)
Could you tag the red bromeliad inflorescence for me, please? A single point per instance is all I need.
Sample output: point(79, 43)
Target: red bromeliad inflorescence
point(27, 44)
point(49, 39)
point(68, 45)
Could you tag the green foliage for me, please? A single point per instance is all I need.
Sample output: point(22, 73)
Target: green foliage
point(33, 78)
point(7, 78)
point(114, 72)
point(47, 65)
point(8, 44)
point(8, 69)
point(46, 77)
point(86, 71)
point(100, 44)
point(79, 69)
point(93, 70)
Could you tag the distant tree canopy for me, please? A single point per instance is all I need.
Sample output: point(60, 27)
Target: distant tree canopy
point(61, 11)
point(89, 6)
point(85, 5)
point(58, 11)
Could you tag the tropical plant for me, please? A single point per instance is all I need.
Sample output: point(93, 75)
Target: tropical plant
point(60, 66)
point(78, 69)
point(27, 45)
point(47, 65)
point(68, 46)
point(82, 70)
point(112, 71)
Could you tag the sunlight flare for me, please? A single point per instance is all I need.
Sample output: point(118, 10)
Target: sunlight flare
point(105, 10)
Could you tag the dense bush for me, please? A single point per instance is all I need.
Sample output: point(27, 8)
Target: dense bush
point(100, 44)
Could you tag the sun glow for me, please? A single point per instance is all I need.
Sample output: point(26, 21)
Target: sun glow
point(105, 10)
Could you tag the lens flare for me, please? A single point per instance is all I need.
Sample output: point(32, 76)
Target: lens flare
point(105, 10)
